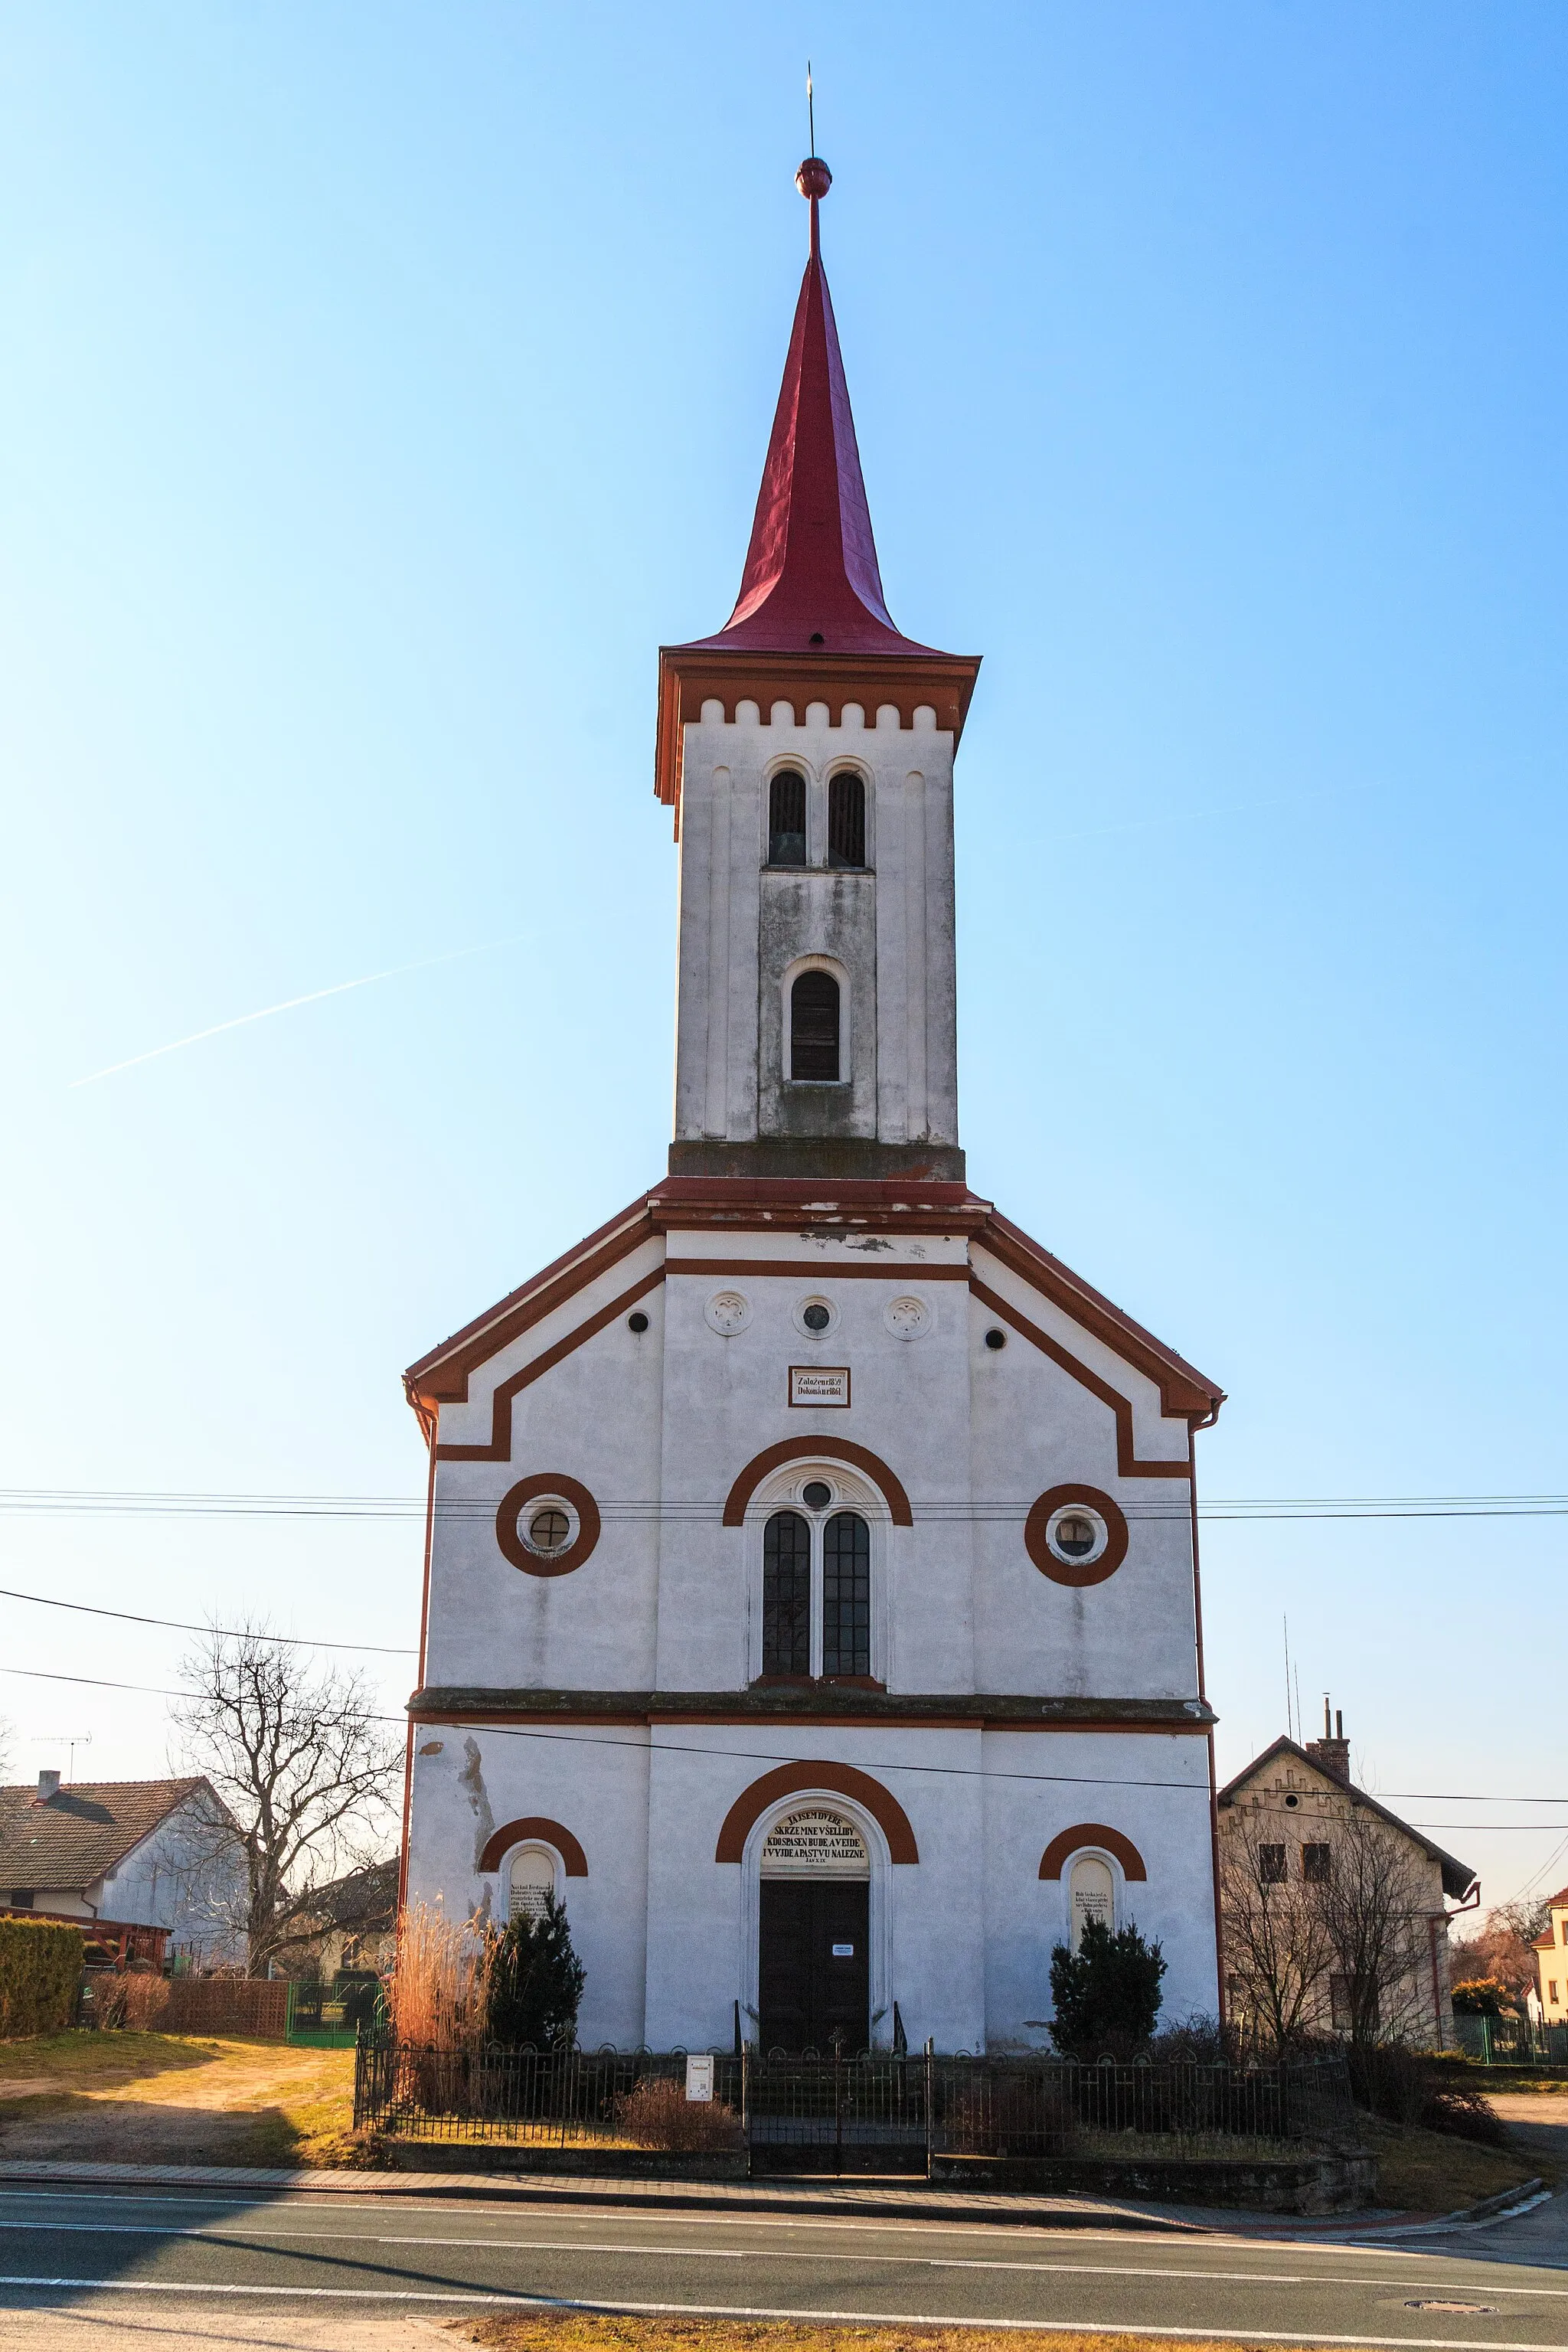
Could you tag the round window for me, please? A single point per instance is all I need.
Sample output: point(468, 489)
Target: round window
point(815, 1317)
point(1076, 1535)
point(816, 1495)
point(547, 1525)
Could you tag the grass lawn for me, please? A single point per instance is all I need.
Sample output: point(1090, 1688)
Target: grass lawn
point(591, 2331)
point(175, 2098)
point(1432, 2172)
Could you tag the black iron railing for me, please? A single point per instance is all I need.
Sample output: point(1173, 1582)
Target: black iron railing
point(892, 2112)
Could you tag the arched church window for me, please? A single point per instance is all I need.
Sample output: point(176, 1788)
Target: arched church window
point(786, 1595)
point(786, 819)
point(846, 820)
point(813, 1026)
point(846, 1595)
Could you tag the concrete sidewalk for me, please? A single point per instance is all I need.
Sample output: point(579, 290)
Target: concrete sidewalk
point(868, 2198)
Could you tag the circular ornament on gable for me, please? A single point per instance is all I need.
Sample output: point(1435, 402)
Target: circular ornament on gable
point(1076, 1535)
point(907, 1318)
point(727, 1312)
point(547, 1525)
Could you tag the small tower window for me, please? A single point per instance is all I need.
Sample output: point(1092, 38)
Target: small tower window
point(786, 819)
point(845, 821)
point(786, 1595)
point(813, 1026)
point(846, 1595)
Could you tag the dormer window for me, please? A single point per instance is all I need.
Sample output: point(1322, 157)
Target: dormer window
point(813, 1025)
point(845, 821)
point(786, 819)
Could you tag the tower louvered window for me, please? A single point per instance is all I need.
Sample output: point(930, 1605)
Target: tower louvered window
point(786, 819)
point(846, 1595)
point(786, 1595)
point(813, 1026)
point(845, 821)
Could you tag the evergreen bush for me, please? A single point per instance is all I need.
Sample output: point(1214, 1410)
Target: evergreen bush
point(536, 1982)
point(40, 1969)
point(1106, 1994)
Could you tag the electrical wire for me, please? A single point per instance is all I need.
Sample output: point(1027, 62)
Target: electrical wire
point(46, 1501)
point(224, 1632)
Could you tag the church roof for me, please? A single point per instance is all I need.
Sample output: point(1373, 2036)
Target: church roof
point(812, 578)
point(904, 1206)
point(811, 623)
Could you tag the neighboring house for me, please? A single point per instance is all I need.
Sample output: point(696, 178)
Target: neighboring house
point(1552, 1959)
point(349, 1926)
point(1284, 1821)
point(811, 1601)
point(138, 1852)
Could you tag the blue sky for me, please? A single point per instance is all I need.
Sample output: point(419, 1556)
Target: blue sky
point(384, 384)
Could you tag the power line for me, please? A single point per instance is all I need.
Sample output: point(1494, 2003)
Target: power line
point(44, 1501)
point(183, 1625)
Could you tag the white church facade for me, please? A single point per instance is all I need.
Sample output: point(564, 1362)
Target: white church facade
point(812, 1590)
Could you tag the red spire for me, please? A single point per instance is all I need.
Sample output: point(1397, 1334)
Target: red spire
point(811, 580)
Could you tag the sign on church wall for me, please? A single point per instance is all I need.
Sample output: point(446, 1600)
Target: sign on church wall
point(820, 1384)
point(815, 1843)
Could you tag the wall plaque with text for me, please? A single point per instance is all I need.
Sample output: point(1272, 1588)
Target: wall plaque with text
point(820, 1384)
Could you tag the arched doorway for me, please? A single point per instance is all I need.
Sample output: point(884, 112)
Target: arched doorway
point(814, 1971)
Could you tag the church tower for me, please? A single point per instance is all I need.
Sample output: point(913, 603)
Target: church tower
point(807, 750)
point(811, 1586)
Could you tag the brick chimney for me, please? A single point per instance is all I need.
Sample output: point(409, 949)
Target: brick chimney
point(1332, 1753)
point(48, 1786)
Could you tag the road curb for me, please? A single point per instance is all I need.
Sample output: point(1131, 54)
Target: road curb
point(1018, 2209)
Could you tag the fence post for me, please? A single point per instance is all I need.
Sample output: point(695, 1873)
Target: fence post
point(930, 2098)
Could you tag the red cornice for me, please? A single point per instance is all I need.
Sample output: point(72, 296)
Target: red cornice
point(689, 676)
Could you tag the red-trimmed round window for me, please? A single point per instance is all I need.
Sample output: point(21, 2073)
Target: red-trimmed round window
point(1076, 1535)
point(547, 1525)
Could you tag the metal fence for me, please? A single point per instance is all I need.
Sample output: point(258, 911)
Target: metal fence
point(885, 2112)
point(1511, 2041)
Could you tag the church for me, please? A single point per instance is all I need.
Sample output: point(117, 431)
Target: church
point(811, 1594)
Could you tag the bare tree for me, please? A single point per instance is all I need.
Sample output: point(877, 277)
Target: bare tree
point(1276, 1946)
point(305, 1768)
point(1376, 1898)
point(1504, 1947)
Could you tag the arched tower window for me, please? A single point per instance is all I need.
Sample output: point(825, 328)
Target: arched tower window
point(786, 1595)
point(845, 821)
point(813, 1026)
point(786, 819)
point(846, 1595)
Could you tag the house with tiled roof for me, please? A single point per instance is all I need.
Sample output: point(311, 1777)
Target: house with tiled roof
point(1552, 1961)
point(153, 1854)
point(1285, 1836)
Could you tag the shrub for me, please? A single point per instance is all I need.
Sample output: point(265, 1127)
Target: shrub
point(1420, 2090)
point(1482, 1997)
point(536, 1982)
point(40, 1968)
point(1106, 1994)
point(659, 2115)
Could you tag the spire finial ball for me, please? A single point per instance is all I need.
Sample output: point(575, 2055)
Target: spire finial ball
point(814, 179)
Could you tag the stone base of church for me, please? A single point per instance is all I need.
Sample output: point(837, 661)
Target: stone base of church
point(817, 1160)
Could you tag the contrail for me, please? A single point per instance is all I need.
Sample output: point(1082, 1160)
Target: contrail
point(288, 1005)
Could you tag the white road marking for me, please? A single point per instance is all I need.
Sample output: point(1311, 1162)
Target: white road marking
point(790, 2311)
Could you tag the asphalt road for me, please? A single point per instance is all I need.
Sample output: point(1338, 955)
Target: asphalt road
point(132, 2258)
